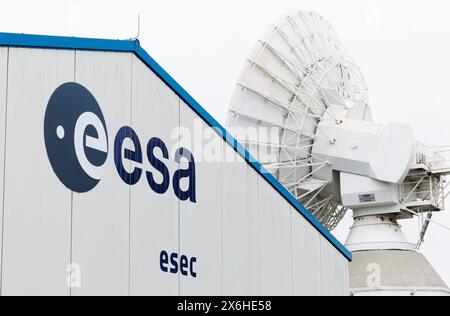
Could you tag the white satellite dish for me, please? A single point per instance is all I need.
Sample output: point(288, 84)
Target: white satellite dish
point(301, 107)
point(298, 75)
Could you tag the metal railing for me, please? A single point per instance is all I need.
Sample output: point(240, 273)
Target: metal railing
point(437, 159)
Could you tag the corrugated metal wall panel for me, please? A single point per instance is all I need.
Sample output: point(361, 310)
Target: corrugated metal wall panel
point(306, 257)
point(200, 222)
point(154, 217)
point(3, 86)
point(276, 242)
point(333, 271)
point(37, 206)
point(241, 267)
point(100, 238)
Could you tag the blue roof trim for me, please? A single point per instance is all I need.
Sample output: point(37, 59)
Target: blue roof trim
point(133, 46)
point(59, 42)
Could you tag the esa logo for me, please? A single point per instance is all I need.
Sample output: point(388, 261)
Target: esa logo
point(76, 139)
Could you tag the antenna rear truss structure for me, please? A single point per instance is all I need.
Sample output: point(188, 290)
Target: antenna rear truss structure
point(298, 74)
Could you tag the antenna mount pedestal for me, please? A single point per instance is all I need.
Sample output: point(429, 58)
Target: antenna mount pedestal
point(379, 232)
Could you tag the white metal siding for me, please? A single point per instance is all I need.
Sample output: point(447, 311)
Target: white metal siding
point(334, 270)
point(306, 257)
point(3, 84)
point(100, 238)
point(37, 207)
point(248, 240)
point(275, 242)
point(241, 267)
point(154, 217)
point(200, 223)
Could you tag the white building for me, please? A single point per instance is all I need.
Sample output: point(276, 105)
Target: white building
point(98, 195)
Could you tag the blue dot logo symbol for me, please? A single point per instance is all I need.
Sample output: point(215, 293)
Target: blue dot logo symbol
point(76, 137)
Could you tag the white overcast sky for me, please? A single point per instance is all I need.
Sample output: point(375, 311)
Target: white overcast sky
point(403, 48)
